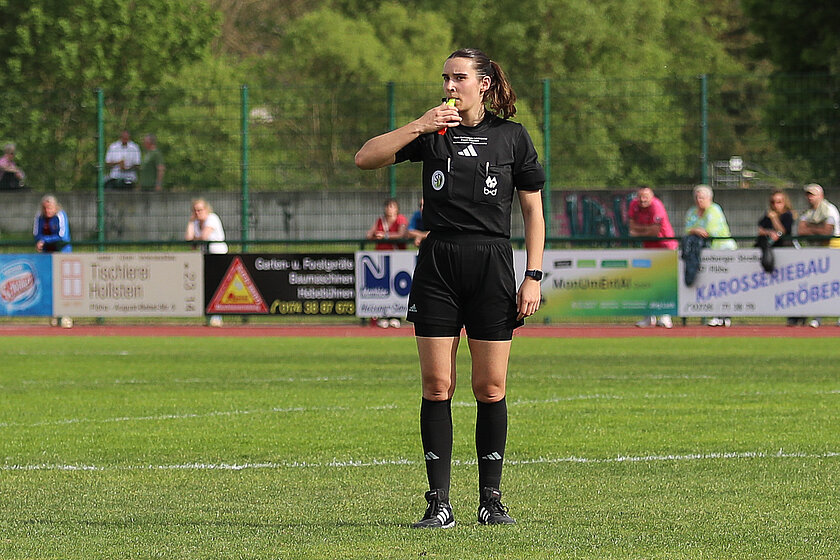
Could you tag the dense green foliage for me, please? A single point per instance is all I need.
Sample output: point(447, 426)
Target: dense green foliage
point(195, 448)
point(53, 55)
point(801, 37)
point(624, 84)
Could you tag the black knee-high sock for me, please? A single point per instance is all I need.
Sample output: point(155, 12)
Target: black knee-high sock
point(490, 438)
point(436, 433)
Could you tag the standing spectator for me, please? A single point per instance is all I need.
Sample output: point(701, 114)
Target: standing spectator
point(775, 229)
point(152, 167)
point(205, 225)
point(390, 225)
point(648, 218)
point(11, 176)
point(416, 231)
point(464, 277)
point(822, 218)
point(52, 234)
point(706, 220)
point(124, 156)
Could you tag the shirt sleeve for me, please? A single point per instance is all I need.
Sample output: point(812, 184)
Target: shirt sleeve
point(413, 151)
point(110, 156)
point(660, 215)
point(528, 174)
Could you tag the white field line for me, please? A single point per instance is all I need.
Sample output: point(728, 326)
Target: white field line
point(188, 416)
point(391, 406)
point(193, 380)
point(335, 463)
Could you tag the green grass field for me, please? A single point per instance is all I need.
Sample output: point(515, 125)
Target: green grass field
point(190, 448)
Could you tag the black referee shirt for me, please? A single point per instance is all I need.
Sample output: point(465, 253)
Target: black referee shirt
point(470, 173)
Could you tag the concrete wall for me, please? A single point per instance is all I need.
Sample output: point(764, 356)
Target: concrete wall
point(318, 215)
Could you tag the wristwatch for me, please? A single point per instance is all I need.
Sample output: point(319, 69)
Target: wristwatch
point(780, 233)
point(535, 274)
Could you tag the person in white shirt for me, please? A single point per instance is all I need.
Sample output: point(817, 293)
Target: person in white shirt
point(822, 218)
point(124, 157)
point(205, 225)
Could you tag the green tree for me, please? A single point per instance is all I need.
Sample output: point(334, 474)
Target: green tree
point(803, 116)
point(324, 91)
point(53, 55)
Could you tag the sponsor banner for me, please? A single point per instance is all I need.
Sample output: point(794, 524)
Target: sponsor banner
point(127, 284)
point(383, 281)
point(806, 282)
point(609, 282)
point(279, 284)
point(26, 285)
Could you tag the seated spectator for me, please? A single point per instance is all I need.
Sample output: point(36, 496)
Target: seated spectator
point(416, 231)
point(11, 176)
point(390, 225)
point(648, 218)
point(706, 220)
point(205, 225)
point(822, 218)
point(775, 229)
point(51, 229)
point(52, 234)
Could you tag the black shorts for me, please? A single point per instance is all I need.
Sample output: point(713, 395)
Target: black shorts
point(464, 280)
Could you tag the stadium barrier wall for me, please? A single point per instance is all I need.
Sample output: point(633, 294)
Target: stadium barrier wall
point(320, 215)
point(585, 283)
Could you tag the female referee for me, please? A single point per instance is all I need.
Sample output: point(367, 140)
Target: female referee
point(473, 159)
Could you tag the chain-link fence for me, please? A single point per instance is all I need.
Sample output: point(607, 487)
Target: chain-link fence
point(729, 131)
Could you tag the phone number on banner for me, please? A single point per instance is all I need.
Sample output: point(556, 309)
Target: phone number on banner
point(311, 307)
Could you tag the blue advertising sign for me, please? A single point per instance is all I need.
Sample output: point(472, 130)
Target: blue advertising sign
point(26, 285)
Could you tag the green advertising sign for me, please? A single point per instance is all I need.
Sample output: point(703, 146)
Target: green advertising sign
point(598, 283)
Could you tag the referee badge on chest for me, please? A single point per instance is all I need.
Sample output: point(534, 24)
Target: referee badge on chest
point(490, 186)
point(438, 179)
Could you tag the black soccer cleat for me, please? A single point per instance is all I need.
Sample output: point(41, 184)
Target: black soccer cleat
point(490, 509)
point(438, 514)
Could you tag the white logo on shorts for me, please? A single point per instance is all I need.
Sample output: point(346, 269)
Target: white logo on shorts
point(490, 186)
point(438, 180)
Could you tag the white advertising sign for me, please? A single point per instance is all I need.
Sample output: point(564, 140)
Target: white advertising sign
point(805, 282)
point(383, 282)
point(128, 284)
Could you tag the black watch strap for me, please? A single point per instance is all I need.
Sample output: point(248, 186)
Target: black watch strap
point(535, 274)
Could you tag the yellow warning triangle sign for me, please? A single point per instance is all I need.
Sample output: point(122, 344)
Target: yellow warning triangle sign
point(237, 292)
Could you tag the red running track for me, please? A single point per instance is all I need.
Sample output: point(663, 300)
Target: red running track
point(547, 331)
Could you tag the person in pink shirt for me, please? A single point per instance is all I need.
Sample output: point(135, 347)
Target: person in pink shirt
point(648, 218)
point(390, 225)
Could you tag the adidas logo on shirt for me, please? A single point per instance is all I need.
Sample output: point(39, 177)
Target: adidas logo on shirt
point(469, 151)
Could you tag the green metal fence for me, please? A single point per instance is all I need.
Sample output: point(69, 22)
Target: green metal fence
point(591, 133)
